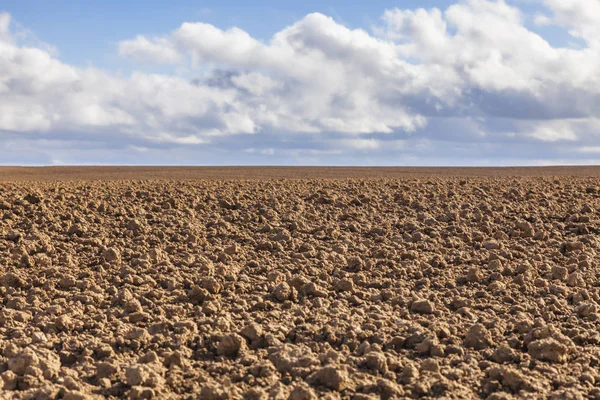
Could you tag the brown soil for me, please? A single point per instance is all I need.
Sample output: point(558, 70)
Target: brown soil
point(425, 283)
point(262, 173)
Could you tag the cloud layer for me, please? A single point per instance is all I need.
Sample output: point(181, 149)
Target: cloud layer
point(471, 84)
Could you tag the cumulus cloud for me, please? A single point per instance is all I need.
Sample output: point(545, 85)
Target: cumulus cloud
point(582, 17)
point(553, 131)
point(470, 75)
point(41, 95)
point(142, 49)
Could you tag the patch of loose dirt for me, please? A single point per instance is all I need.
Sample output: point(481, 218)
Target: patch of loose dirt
point(431, 287)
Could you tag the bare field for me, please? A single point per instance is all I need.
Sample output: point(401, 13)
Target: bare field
point(262, 173)
point(413, 283)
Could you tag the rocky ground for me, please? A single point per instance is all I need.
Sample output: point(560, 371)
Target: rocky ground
point(433, 287)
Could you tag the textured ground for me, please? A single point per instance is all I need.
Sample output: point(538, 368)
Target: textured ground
point(262, 173)
point(427, 285)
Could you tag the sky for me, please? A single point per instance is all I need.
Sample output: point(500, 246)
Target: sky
point(430, 82)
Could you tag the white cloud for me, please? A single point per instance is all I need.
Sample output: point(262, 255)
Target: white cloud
point(39, 94)
point(422, 74)
point(589, 149)
point(142, 49)
point(360, 144)
point(208, 44)
point(542, 20)
point(553, 131)
point(256, 83)
point(490, 49)
point(582, 17)
point(321, 75)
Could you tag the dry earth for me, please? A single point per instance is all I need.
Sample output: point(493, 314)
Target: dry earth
point(428, 285)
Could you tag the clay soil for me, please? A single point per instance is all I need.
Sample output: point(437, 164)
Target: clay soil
point(299, 283)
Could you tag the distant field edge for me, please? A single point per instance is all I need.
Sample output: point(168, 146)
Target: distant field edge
point(84, 173)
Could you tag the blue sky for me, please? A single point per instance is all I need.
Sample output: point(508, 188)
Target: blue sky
point(87, 32)
point(462, 82)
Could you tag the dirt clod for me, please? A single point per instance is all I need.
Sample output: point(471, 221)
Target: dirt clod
point(330, 377)
point(231, 345)
point(422, 306)
point(548, 349)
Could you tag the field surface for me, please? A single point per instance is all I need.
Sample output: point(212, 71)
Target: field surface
point(299, 283)
point(262, 173)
